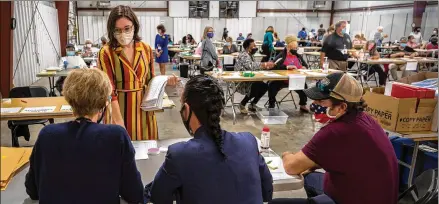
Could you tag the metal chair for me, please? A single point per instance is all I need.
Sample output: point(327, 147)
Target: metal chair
point(26, 92)
point(423, 191)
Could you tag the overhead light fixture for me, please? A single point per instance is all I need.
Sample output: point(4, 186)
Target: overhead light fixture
point(319, 4)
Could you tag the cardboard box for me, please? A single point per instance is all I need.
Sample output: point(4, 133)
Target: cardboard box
point(418, 77)
point(400, 115)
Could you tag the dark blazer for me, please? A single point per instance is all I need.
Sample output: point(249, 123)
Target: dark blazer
point(196, 173)
point(280, 65)
point(81, 163)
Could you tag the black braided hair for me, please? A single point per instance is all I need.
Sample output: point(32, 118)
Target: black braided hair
point(205, 97)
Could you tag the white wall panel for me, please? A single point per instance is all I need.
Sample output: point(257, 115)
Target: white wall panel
point(214, 9)
point(247, 9)
point(291, 5)
point(398, 26)
point(148, 28)
point(37, 52)
point(429, 21)
point(179, 8)
point(184, 26)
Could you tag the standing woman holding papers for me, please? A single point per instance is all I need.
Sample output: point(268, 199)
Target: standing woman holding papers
point(128, 63)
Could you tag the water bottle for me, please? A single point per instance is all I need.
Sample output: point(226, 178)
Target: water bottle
point(326, 66)
point(174, 64)
point(361, 55)
point(65, 64)
point(345, 51)
point(265, 138)
point(159, 48)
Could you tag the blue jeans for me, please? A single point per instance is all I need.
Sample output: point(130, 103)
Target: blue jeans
point(314, 190)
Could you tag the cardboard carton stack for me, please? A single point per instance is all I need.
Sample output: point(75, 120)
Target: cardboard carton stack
point(13, 159)
point(404, 106)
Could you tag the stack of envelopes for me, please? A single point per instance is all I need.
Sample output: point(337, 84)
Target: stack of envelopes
point(13, 159)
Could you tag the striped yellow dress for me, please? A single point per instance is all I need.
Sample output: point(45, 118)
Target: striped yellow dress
point(128, 82)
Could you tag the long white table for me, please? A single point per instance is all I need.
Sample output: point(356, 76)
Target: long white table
point(15, 193)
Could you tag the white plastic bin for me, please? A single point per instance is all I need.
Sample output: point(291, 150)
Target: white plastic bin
point(272, 116)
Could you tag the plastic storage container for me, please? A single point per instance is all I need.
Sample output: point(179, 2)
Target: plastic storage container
point(272, 116)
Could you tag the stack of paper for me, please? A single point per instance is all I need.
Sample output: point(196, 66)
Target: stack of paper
point(141, 148)
point(153, 99)
point(13, 159)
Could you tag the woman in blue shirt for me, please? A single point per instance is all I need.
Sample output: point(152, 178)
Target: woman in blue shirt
point(267, 44)
point(83, 161)
point(216, 166)
point(161, 48)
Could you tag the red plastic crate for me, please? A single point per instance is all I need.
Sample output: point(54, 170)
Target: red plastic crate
point(407, 91)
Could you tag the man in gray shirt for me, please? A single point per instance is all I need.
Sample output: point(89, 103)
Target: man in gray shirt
point(379, 36)
point(337, 48)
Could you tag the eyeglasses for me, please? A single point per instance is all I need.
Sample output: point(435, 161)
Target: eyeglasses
point(126, 30)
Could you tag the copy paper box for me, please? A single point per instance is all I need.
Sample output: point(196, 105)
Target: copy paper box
point(418, 77)
point(399, 115)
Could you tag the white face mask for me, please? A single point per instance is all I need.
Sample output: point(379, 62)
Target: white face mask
point(434, 32)
point(331, 116)
point(88, 45)
point(125, 38)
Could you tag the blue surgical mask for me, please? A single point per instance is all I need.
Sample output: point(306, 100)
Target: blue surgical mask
point(210, 34)
point(403, 44)
point(343, 31)
point(70, 53)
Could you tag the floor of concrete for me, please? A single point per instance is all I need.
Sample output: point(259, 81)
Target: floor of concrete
point(291, 136)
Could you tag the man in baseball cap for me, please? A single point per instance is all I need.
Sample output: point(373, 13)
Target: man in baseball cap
point(352, 149)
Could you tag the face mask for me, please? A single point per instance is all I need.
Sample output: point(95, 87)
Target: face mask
point(186, 123)
point(331, 117)
point(124, 38)
point(254, 50)
point(88, 45)
point(403, 45)
point(434, 32)
point(370, 47)
point(102, 116)
point(343, 31)
point(293, 51)
point(413, 40)
point(210, 34)
point(226, 44)
point(419, 31)
point(70, 53)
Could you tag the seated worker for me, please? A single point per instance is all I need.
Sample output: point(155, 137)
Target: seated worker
point(371, 48)
point(432, 45)
point(403, 50)
point(278, 41)
point(249, 36)
point(357, 40)
point(216, 166)
point(87, 51)
point(251, 90)
point(229, 47)
point(83, 161)
point(183, 42)
point(290, 59)
point(412, 42)
point(353, 149)
point(240, 37)
point(190, 40)
point(71, 61)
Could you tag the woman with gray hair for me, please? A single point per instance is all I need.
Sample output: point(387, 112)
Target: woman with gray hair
point(209, 56)
point(82, 158)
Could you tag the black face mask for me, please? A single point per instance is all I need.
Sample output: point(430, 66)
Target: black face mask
point(293, 51)
point(254, 50)
point(186, 123)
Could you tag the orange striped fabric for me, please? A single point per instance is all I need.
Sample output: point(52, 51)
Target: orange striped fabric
point(128, 82)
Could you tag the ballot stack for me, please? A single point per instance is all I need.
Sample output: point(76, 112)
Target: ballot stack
point(12, 162)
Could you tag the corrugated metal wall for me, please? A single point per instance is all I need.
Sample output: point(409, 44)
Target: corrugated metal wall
point(396, 22)
point(94, 27)
point(38, 51)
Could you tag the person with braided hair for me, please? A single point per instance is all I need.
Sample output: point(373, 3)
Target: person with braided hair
point(216, 166)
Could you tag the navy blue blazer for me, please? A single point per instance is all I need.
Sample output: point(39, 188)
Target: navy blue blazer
point(195, 172)
point(85, 162)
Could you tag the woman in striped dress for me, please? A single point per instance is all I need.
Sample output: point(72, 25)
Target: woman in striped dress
point(128, 63)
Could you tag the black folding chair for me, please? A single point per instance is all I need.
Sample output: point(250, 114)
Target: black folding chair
point(423, 191)
point(17, 126)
